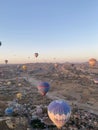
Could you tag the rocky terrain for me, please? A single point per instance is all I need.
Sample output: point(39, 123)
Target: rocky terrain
point(71, 82)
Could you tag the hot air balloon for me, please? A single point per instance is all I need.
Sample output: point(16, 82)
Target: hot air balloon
point(43, 88)
point(6, 61)
point(8, 83)
point(19, 95)
point(9, 111)
point(19, 84)
point(96, 80)
point(24, 67)
point(59, 112)
point(92, 62)
point(36, 55)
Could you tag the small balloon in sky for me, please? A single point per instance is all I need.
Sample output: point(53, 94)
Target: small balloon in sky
point(6, 61)
point(36, 55)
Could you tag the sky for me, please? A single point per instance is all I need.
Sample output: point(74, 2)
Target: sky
point(59, 30)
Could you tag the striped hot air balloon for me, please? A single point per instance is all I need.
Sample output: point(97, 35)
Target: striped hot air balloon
point(59, 112)
point(43, 88)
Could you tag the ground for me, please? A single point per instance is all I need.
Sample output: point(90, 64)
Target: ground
point(75, 84)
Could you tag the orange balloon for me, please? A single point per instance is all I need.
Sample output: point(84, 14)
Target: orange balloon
point(92, 62)
point(24, 67)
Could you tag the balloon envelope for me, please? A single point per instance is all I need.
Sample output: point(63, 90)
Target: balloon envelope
point(6, 61)
point(9, 111)
point(92, 62)
point(24, 67)
point(59, 112)
point(96, 80)
point(19, 95)
point(36, 54)
point(43, 88)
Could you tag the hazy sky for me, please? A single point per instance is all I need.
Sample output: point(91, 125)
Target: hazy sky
point(59, 30)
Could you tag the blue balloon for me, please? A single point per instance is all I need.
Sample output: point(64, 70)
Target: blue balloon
point(59, 112)
point(43, 88)
point(9, 111)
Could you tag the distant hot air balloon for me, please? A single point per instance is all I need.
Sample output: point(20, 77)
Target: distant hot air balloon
point(9, 111)
point(8, 83)
point(19, 95)
point(43, 88)
point(96, 80)
point(6, 61)
point(19, 84)
point(24, 67)
point(59, 112)
point(36, 55)
point(92, 62)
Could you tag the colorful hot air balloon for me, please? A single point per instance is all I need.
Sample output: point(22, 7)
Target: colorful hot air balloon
point(59, 112)
point(43, 88)
point(24, 67)
point(36, 55)
point(92, 62)
point(9, 111)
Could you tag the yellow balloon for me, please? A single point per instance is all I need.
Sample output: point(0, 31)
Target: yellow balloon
point(19, 95)
point(24, 67)
point(92, 62)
